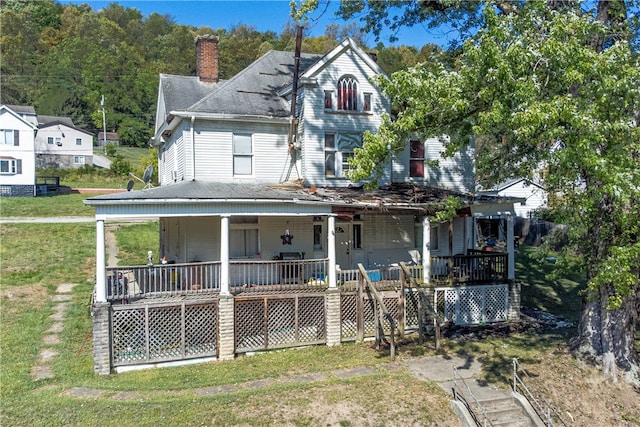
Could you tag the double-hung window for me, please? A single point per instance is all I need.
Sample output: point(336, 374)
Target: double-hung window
point(416, 159)
point(78, 141)
point(338, 148)
point(242, 154)
point(9, 137)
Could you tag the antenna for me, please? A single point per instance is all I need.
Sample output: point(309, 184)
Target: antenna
point(146, 177)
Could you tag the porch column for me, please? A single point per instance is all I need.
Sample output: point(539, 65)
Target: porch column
point(331, 246)
point(511, 253)
point(426, 250)
point(224, 255)
point(101, 279)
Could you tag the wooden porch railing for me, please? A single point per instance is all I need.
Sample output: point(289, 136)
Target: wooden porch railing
point(168, 280)
point(476, 267)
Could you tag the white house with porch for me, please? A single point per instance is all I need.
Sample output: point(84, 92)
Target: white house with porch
point(262, 238)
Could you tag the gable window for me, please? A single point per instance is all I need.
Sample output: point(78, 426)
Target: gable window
point(328, 99)
point(348, 94)
point(59, 141)
point(338, 148)
point(50, 140)
point(78, 141)
point(78, 160)
point(367, 102)
point(9, 137)
point(416, 159)
point(242, 154)
point(9, 166)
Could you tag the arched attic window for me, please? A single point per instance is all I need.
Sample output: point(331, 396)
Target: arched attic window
point(348, 93)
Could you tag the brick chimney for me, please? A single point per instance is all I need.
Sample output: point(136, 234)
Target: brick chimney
point(207, 58)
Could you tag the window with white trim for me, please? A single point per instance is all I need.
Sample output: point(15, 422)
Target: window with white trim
point(242, 154)
point(78, 141)
point(416, 158)
point(338, 148)
point(9, 166)
point(367, 102)
point(78, 160)
point(59, 141)
point(348, 94)
point(328, 99)
point(50, 140)
point(9, 137)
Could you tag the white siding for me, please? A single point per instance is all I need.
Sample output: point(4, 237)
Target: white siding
point(24, 151)
point(318, 120)
point(535, 197)
point(452, 173)
point(191, 239)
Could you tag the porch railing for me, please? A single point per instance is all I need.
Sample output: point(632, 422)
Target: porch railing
point(168, 280)
point(475, 267)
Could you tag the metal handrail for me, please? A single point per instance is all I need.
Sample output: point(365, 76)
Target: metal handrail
point(460, 397)
point(544, 414)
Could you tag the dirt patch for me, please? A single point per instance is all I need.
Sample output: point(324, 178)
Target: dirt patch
point(34, 296)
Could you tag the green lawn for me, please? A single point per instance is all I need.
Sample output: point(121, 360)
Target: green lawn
point(35, 258)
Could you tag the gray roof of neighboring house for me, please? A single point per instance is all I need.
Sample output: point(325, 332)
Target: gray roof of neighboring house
point(22, 109)
point(45, 120)
point(253, 91)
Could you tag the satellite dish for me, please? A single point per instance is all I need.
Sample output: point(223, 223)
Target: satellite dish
point(130, 185)
point(148, 173)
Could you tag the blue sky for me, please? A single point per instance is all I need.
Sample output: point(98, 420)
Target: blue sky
point(262, 14)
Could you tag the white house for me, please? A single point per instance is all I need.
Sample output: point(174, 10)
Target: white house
point(252, 195)
point(530, 195)
point(60, 144)
point(18, 126)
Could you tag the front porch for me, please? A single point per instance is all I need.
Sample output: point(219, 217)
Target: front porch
point(126, 284)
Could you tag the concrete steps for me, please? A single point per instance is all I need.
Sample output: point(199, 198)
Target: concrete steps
point(503, 411)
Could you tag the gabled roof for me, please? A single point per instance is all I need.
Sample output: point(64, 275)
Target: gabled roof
point(254, 91)
point(511, 182)
point(68, 123)
point(22, 109)
point(342, 47)
point(180, 92)
point(47, 120)
point(15, 114)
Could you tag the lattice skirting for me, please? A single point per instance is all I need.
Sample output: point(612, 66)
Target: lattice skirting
point(473, 305)
point(151, 333)
point(277, 321)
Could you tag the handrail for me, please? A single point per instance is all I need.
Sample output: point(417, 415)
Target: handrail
point(532, 400)
point(461, 397)
point(438, 319)
point(383, 308)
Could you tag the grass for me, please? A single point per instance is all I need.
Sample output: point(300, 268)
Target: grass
point(51, 206)
point(35, 258)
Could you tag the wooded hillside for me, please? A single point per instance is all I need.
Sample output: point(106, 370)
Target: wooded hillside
point(62, 59)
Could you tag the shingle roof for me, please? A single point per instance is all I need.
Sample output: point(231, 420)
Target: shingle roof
point(45, 120)
point(253, 91)
point(22, 109)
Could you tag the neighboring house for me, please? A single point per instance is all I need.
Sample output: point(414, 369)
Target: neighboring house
point(252, 198)
point(60, 144)
point(531, 196)
point(18, 125)
point(111, 138)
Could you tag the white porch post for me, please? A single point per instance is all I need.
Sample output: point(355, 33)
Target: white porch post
point(331, 247)
point(511, 253)
point(101, 273)
point(224, 255)
point(426, 249)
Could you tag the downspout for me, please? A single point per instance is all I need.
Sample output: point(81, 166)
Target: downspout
point(193, 149)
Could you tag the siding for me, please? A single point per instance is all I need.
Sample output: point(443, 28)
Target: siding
point(24, 151)
point(318, 121)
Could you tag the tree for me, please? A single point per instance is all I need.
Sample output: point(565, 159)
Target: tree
point(550, 84)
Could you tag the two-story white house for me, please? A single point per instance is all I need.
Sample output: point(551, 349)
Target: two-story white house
point(60, 144)
point(252, 195)
point(18, 125)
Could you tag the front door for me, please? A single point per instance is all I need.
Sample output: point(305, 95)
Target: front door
point(343, 245)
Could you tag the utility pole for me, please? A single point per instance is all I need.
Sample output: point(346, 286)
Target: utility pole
point(104, 125)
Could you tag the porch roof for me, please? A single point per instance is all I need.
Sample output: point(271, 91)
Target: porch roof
point(273, 198)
